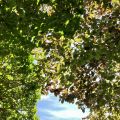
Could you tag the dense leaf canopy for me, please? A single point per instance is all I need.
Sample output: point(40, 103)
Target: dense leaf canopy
point(68, 47)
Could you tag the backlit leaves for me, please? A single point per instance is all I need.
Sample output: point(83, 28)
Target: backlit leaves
point(70, 48)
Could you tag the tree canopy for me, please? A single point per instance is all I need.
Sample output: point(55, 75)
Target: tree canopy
point(68, 47)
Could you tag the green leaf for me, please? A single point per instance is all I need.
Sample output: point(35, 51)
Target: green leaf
point(9, 77)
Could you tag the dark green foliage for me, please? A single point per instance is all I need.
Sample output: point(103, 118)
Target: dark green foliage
point(70, 47)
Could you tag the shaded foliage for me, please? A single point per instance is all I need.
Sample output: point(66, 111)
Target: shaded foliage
point(71, 48)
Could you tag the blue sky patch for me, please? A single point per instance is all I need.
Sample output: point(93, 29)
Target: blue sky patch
point(49, 108)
